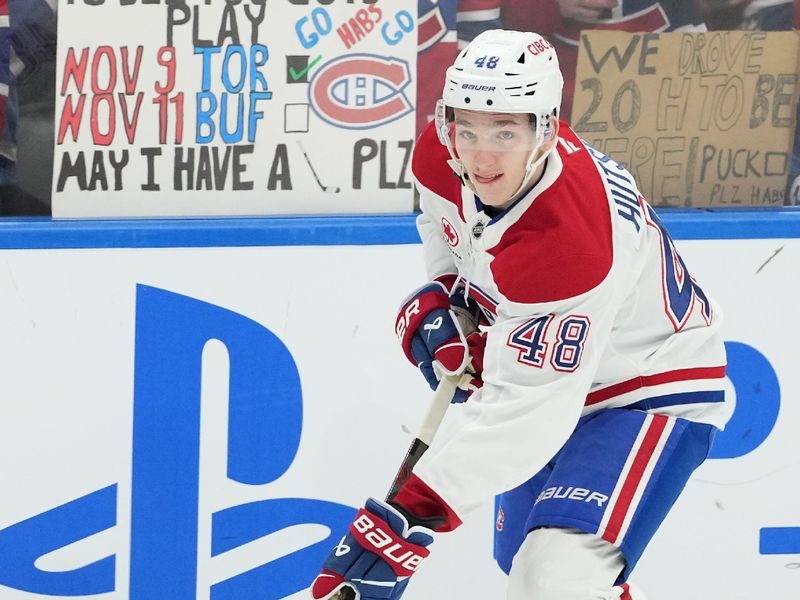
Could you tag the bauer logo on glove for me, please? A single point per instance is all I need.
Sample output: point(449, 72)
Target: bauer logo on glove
point(376, 558)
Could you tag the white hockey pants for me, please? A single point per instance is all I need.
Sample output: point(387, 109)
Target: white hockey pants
point(565, 564)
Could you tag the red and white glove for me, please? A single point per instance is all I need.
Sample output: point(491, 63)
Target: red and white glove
point(476, 342)
point(434, 327)
point(377, 556)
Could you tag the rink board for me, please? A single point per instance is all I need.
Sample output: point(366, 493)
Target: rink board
point(190, 407)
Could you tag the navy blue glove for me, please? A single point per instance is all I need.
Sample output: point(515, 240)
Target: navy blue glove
point(432, 326)
point(376, 557)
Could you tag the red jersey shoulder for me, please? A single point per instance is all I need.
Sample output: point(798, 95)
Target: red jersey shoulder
point(430, 168)
point(562, 245)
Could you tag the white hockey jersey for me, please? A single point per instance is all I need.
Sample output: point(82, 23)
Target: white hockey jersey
point(591, 308)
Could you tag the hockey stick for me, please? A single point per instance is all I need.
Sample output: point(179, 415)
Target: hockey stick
point(325, 188)
point(430, 423)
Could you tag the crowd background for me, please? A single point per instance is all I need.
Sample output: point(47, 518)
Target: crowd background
point(28, 52)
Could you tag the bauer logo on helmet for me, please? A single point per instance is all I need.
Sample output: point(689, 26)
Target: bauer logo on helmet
point(478, 88)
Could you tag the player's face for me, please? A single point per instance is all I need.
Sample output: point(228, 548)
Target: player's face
point(494, 148)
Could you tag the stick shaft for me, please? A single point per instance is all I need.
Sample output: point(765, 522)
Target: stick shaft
point(430, 423)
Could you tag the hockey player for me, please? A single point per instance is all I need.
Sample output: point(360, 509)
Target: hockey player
point(598, 367)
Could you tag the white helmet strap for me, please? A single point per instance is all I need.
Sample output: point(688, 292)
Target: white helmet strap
point(530, 171)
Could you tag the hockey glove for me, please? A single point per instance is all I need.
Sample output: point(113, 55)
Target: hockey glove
point(429, 329)
point(476, 342)
point(376, 557)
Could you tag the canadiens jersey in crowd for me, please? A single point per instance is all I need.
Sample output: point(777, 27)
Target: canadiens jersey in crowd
point(27, 35)
point(592, 308)
point(6, 147)
point(633, 16)
point(444, 26)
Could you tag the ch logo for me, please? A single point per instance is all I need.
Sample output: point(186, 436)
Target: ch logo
point(361, 91)
point(265, 413)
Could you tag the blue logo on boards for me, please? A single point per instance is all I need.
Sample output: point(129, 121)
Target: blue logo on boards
point(265, 422)
point(758, 401)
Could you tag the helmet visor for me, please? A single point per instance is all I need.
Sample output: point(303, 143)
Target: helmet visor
point(467, 132)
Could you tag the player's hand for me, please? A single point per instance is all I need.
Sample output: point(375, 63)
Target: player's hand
point(429, 331)
point(376, 557)
point(585, 9)
point(476, 342)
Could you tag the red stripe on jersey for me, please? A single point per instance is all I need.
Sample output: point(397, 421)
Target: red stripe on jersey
point(430, 29)
point(482, 299)
point(561, 246)
point(650, 380)
point(634, 477)
point(4, 8)
point(470, 5)
point(626, 592)
point(429, 165)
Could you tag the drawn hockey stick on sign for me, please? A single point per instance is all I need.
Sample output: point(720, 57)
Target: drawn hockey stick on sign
point(430, 423)
point(326, 189)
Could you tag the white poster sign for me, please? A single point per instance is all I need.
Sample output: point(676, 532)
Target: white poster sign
point(246, 107)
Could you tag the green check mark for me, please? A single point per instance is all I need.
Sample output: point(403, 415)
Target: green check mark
point(295, 75)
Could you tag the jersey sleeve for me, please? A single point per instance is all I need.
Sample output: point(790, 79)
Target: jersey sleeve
point(538, 369)
point(438, 260)
point(437, 185)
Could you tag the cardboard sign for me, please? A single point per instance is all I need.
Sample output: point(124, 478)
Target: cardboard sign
point(700, 119)
point(247, 107)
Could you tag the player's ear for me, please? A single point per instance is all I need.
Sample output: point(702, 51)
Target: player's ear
point(551, 130)
point(550, 134)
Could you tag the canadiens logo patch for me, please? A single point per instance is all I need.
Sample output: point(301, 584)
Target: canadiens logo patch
point(361, 91)
point(450, 233)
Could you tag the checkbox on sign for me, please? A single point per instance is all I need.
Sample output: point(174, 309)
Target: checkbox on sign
point(295, 118)
point(298, 66)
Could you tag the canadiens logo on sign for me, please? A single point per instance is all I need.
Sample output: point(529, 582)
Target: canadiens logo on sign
point(361, 91)
point(450, 233)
